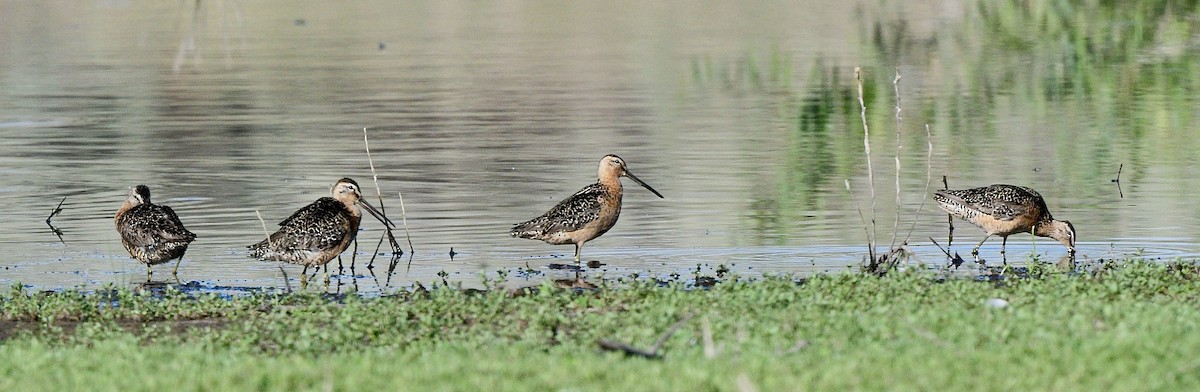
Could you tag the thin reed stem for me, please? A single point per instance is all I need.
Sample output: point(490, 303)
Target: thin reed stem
point(862, 219)
point(404, 222)
point(379, 196)
point(870, 169)
point(928, 179)
point(267, 234)
point(896, 224)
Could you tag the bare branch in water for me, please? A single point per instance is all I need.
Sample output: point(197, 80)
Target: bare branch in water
point(870, 169)
point(1117, 180)
point(267, 234)
point(379, 195)
point(862, 219)
point(54, 229)
point(58, 208)
point(896, 224)
point(928, 179)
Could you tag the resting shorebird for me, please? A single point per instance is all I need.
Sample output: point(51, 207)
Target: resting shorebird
point(320, 231)
point(1005, 210)
point(585, 215)
point(151, 233)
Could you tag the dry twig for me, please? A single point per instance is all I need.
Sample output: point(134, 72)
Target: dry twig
point(382, 209)
point(57, 209)
point(870, 169)
point(861, 218)
point(1116, 180)
point(928, 178)
point(654, 352)
point(286, 284)
point(896, 224)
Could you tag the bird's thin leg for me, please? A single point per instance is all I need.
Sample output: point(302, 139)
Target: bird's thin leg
point(175, 272)
point(950, 235)
point(1003, 256)
point(149, 272)
point(975, 251)
point(578, 247)
point(1033, 234)
point(304, 278)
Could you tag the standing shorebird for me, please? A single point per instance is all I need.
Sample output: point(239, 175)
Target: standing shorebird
point(320, 231)
point(585, 215)
point(151, 233)
point(1005, 210)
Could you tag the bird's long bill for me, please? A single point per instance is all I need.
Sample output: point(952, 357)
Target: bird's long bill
point(378, 215)
point(635, 179)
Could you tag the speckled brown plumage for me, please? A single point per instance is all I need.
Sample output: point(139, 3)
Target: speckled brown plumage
point(573, 214)
point(313, 235)
point(587, 214)
point(151, 233)
point(1005, 210)
point(320, 231)
point(317, 233)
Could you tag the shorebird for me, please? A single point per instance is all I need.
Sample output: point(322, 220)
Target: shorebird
point(1004, 210)
point(585, 215)
point(151, 233)
point(320, 231)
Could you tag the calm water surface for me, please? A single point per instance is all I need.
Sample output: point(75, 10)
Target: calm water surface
point(744, 115)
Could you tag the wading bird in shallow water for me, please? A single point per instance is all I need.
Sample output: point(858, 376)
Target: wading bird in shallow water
point(585, 215)
point(1004, 210)
point(151, 233)
point(320, 231)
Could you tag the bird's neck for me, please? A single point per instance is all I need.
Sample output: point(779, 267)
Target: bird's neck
point(613, 183)
point(125, 207)
point(353, 209)
point(1044, 227)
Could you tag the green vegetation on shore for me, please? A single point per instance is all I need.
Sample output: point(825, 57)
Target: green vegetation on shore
point(1132, 326)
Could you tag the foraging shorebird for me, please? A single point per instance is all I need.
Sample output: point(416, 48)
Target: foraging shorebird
point(151, 233)
point(320, 231)
point(1004, 210)
point(585, 215)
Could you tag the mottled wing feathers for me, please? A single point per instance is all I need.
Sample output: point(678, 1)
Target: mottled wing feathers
point(149, 225)
point(569, 215)
point(1002, 202)
point(318, 226)
point(1038, 202)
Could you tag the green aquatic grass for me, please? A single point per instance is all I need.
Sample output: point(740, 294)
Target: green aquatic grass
point(1128, 327)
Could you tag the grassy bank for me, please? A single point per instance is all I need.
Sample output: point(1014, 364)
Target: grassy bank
point(1128, 327)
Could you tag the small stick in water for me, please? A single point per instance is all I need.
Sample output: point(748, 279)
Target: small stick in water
point(58, 208)
point(1117, 180)
point(56, 230)
point(286, 283)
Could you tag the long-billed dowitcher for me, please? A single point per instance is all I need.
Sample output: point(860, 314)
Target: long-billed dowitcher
point(320, 231)
point(151, 233)
point(1004, 210)
point(585, 215)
